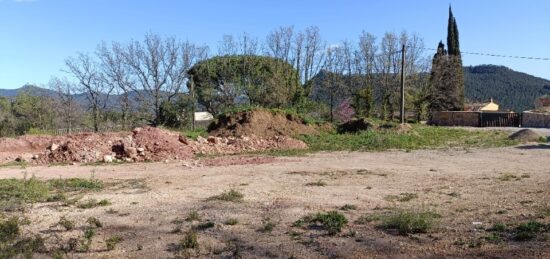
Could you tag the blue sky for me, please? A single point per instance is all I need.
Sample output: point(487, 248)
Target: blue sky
point(37, 35)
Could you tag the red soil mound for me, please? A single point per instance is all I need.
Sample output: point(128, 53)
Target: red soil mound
point(261, 123)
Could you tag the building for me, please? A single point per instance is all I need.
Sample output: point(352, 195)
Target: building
point(490, 106)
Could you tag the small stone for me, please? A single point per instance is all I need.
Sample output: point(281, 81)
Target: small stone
point(136, 130)
point(201, 140)
point(183, 139)
point(140, 149)
point(53, 147)
point(108, 159)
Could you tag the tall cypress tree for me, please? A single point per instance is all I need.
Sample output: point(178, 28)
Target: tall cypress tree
point(447, 77)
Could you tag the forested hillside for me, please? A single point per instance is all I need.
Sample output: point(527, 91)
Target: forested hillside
point(511, 89)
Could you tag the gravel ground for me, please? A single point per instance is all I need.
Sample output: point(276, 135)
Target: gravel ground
point(471, 189)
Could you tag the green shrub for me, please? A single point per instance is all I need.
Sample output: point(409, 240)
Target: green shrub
point(111, 242)
point(231, 221)
point(331, 221)
point(189, 241)
point(231, 196)
point(409, 222)
point(66, 223)
point(193, 216)
point(529, 230)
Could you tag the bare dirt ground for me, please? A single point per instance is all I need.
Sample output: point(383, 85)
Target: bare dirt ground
point(463, 186)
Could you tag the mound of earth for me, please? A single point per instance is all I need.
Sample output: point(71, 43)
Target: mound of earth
point(261, 123)
point(355, 125)
point(142, 144)
point(526, 135)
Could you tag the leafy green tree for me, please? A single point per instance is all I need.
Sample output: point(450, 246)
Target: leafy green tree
point(32, 112)
point(223, 81)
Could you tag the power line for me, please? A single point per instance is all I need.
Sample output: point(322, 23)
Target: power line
point(497, 55)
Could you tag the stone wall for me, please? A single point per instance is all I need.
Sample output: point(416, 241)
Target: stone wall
point(535, 120)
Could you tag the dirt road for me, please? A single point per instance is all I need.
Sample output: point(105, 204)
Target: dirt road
point(470, 189)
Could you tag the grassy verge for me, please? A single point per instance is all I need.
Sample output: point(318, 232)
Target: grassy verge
point(420, 137)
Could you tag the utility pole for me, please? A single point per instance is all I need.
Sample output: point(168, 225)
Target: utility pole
point(402, 113)
point(193, 104)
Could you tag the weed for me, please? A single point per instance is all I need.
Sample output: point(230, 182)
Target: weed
point(364, 219)
point(508, 177)
point(189, 241)
point(409, 222)
point(76, 184)
point(92, 203)
point(454, 194)
point(331, 221)
point(112, 241)
point(66, 223)
point(205, 225)
point(231, 196)
point(498, 227)
point(267, 226)
point(89, 234)
point(193, 216)
point(319, 183)
point(403, 197)
point(94, 222)
point(9, 229)
point(348, 207)
point(529, 230)
point(231, 221)
point(111, 211)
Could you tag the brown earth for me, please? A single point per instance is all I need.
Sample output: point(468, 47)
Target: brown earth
point(471, 189)
point(142, 144)
point(526, 135)
point(261, 123)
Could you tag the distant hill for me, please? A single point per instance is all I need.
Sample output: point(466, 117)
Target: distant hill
point(512, 90)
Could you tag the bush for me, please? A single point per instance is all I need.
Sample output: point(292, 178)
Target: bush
point(408, 222)
point(331, 221)
point(112, 242)
point(189, 241)
point(529, 230)
point(231, 196)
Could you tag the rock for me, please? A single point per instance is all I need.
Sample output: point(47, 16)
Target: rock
point(34, 157)
point(136, 130)
point(20, 159)
point(212, 140)
point(53, 147)
point(108, 159)
point(131, 152)
point(183, 139)
point(140, 149)
point(201, 140)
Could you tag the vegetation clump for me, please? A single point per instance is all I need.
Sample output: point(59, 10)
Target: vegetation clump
point(331, 221)
point(409, 222)
point(230, 196)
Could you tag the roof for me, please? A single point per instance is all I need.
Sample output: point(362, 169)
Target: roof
point(477, 106)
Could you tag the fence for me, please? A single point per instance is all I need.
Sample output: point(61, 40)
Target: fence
point(535, 120)
point(477, 119)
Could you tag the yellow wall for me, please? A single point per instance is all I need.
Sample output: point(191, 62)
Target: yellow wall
point(490, 107)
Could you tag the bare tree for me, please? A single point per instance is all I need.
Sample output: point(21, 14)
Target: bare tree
point(248, 45)
point(227, 46)
point(160, 68)
point(117, 75)
point(90, 82)
point(65, 92)
point(279, 43)
point(314, 52)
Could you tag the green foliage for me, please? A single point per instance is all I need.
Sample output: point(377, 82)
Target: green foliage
point(261, 80)
point(193, 216)
point(205, 225)
point(189, 241)
point(332, 221)
point(409, 222)
point(194, 134)
point(529, 230)
point(177, 112)
point(231, 195)
point(94, 222)
point(510, 89)
point(348, 207)
point(76, 184)
point(112, 241)
point(66, 223)
point(12, 243)
point(319, 183)
point(420, 137)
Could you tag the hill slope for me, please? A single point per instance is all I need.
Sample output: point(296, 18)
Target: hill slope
point(511, 89)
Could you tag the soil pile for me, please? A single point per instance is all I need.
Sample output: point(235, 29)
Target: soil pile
point(354, 126)
point(261, 123)
point(526, 135)
point(142, 144)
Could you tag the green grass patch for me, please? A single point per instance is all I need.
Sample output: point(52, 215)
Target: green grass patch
point(231, 221)
point(112, 241)
point(529, 230)
point(408, 222)
point(331, 221)
point(194, 134)
point(420, 137)
point(319, 183)
point(231, 196)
